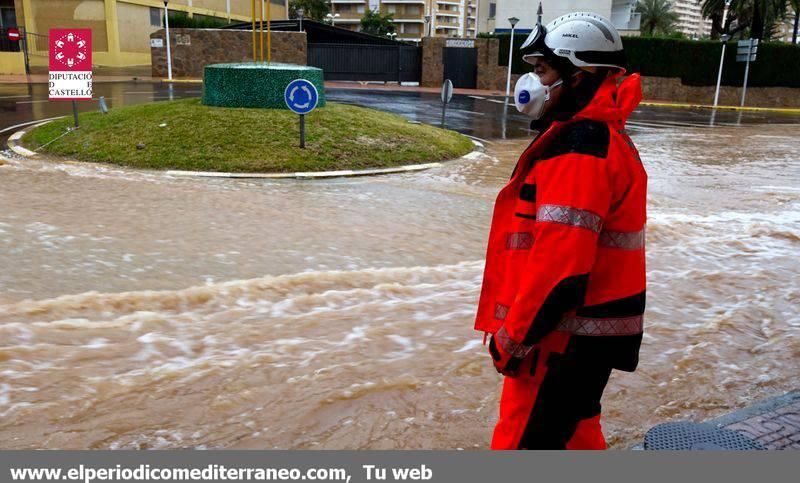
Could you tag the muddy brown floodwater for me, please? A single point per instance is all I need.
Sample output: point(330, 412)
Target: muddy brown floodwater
point(143, 311)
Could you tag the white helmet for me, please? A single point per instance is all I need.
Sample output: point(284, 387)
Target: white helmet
point(585, 39)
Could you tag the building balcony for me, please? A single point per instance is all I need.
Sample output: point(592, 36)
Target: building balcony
point(408, 20)
point(348, 15)
point(448, 3)
point(340, 2)
point(447, 14)
point(388, 2)
point(447, 27)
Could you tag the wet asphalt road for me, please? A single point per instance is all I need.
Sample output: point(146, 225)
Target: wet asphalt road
point(482, 117)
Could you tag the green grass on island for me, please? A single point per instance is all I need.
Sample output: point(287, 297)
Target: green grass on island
point(186, 135)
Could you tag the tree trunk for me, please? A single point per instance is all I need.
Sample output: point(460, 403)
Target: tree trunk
point(757, 27)
point(796, 18)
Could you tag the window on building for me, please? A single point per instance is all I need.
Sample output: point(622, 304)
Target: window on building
point(360, 9)
point(391, 9)
point(413, 10)
point(8, 16)
point(492, 10)
point(413, 28)
point(155, 17)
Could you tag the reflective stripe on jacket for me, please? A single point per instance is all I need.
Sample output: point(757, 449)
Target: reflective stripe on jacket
point(566, 245)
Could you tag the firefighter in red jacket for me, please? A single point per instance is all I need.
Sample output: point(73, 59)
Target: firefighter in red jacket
point(564, 285)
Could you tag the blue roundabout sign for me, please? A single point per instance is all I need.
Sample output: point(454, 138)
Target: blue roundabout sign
point(301, 96)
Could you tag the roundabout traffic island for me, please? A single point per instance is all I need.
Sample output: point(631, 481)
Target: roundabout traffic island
point(187, 135)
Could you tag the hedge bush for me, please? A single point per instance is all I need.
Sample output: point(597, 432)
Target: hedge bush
point(694, 62)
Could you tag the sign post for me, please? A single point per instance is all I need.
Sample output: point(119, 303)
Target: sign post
point(166, 26)
point(70, 66)
point(724, 39)
point(447, 94)
point(746, 52)
point(301, 97)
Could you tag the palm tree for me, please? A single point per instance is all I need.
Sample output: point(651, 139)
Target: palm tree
point(760, 16)
point(657, 17)
point(795, 4)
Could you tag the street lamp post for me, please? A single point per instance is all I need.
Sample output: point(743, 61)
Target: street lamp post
point(332, 18)
point(722, 57)
point(300, 12)
point(513, 21)
point(169, 54)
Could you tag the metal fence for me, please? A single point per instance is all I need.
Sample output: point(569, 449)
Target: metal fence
point(38, 44)
point(363, 62)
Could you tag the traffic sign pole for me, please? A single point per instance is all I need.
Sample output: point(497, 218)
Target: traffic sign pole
point(747, 70)
point(302, 131)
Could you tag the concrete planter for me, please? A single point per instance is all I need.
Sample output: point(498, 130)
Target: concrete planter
point(255, 84)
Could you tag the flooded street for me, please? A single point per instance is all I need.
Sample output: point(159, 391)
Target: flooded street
point(143, 311)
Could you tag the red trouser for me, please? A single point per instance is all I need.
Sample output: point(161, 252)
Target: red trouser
point(555, 401)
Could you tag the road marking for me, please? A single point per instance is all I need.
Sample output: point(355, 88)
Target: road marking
point(497, 101)
point(14, 97)
point(23, 124)
point(471, 112)
point(477, 97)
point(139, 92)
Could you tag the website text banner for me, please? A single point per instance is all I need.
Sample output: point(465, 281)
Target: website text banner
point(395, 466)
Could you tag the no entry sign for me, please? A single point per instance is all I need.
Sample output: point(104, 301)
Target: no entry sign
point(70, 64)
point(13, 34)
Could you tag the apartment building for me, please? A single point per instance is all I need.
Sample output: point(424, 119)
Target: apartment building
point(414, 19)
point(690, 19)
point(121, 28)
point(494, 14)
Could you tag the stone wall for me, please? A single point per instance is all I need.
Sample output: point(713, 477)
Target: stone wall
point(670, 89)
point(432, 62)
point(193, 49)
point(490, 75)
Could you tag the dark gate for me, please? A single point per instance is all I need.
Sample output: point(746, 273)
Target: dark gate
point(461, 66)
point(364, 62)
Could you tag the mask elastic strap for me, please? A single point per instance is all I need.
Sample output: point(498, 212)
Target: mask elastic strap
point(551, 87)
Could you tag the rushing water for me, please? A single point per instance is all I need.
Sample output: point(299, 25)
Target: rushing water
point(143, 311)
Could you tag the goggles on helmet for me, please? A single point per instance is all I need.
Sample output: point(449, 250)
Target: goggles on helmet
point(534, 45)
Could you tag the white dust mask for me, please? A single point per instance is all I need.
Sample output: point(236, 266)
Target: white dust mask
point(530, 95)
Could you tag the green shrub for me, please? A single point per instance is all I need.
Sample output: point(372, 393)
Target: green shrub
point(182, 20)
point(695, 62)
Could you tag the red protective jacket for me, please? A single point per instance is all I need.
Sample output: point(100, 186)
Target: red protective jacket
point(566, 246)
